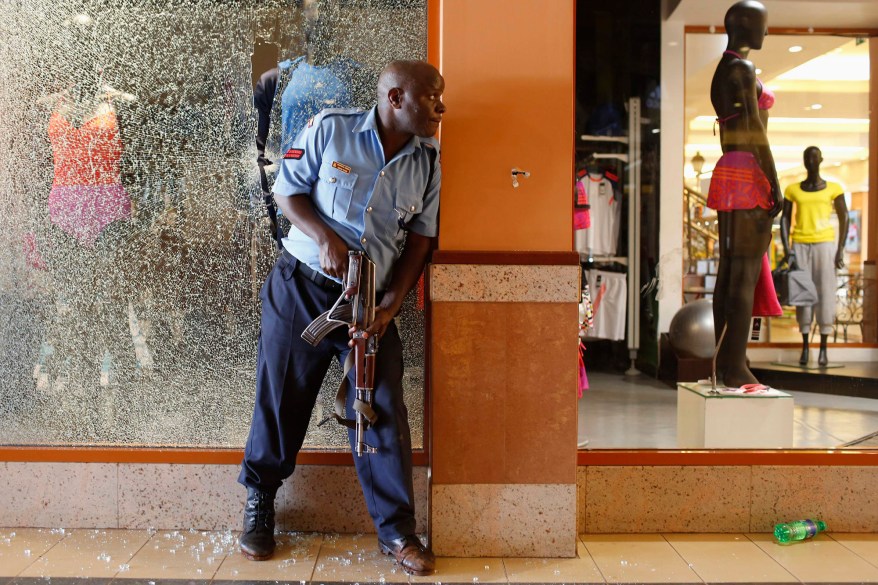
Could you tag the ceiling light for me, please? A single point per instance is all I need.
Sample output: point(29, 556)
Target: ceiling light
point(758, 71)
point(815, 107)
point(795, 49)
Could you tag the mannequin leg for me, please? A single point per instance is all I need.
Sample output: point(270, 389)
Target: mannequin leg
point(822, 359)
point(744, 237)
point(721, 289)
point(824, 275)
point(739, 306)
point(803, 359)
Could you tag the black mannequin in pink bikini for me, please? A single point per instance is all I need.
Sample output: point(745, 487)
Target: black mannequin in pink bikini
point(745, 192)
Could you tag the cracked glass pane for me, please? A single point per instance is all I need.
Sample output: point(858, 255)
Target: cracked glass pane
point(135, 237)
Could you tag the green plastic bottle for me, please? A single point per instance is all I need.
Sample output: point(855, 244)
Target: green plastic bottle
point(798, 530)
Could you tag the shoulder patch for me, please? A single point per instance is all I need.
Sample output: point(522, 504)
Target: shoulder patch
point(294, 153)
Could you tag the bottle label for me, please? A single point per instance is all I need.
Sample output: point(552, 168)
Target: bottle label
point(810, 528)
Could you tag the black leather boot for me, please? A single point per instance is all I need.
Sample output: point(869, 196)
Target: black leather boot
point(806, 346)
point(822, 358)
point(257, 539)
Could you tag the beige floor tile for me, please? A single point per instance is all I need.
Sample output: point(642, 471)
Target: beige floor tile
point(88, 553)
point(637, 558)
point(470, 570)
point(818, 559)
point(864, 545)
point(21, 547)
point(582, 569)
point(729, 558)
point(293, 560)
point(355, 558)
point(180, 554)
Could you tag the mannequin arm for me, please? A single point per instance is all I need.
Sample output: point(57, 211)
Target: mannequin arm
point(743, 78)
point(785, 220)
point(841, 210)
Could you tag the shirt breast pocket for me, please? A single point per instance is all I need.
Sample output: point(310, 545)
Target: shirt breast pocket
point(405, 208)
point(336, 189)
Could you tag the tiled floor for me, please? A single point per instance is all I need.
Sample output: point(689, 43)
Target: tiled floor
point(30, 556)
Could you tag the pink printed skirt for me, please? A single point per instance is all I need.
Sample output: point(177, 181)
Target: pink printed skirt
point(738, 183)
point(83, 211)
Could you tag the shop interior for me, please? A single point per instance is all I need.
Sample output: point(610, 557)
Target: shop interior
point(822, 88)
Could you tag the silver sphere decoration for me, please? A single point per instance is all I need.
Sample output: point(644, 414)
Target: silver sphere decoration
point(691, 333)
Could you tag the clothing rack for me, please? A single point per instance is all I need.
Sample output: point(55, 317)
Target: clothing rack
point(632, 186)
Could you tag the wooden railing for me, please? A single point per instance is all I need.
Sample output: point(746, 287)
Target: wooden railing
point(701, 233)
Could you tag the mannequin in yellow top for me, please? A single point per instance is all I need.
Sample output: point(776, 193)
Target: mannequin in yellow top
point(814, 242)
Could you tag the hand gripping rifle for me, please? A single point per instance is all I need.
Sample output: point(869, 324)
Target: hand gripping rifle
point(355, 306)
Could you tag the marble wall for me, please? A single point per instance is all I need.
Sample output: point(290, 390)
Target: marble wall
point(642, 499)
point(324, 498)
point(607, 499)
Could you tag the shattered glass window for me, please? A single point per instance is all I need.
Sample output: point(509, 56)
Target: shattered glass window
point(135, 237)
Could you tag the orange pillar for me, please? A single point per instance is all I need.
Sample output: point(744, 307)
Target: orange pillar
point(504, 284)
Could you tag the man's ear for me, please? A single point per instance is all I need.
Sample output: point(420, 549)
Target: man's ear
point(394, 96)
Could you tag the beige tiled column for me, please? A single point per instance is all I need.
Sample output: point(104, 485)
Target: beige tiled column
point(503, 403)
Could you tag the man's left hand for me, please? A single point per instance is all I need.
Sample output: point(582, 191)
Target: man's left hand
point(383, 317)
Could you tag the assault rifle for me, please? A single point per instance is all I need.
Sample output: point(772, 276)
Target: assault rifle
point(355, 306)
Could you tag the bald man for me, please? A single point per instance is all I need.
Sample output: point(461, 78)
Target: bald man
point(353, 180)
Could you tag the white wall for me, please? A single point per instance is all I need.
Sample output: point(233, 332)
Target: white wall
point(671, 212)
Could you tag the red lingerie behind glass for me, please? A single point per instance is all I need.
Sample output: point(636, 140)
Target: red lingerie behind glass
point(87, 193)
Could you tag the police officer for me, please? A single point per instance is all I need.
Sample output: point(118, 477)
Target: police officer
point(353, 180)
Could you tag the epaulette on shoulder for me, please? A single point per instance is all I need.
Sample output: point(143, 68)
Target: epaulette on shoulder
point(431, 142)
point(326, 113)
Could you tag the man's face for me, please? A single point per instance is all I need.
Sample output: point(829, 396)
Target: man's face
point(422, 106)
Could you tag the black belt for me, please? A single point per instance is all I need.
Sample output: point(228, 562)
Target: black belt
point(312, 275)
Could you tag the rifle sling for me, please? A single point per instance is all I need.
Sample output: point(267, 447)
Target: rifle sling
point(341, 399)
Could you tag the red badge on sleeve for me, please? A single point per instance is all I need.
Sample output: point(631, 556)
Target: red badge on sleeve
point(295, 153)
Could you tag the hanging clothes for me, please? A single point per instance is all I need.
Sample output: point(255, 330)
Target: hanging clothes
point(87, 193)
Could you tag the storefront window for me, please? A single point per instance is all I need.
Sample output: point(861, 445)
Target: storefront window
point(821, 85)
point(822, 89)
point(135, 235)
point(616, 203)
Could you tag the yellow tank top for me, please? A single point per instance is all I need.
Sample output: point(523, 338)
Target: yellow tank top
point(813, 212)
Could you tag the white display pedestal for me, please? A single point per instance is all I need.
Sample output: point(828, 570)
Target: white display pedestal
point(736, 421)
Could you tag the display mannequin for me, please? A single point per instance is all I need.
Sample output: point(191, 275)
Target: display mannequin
point(812, 245)
point(298, 89)
point(89, 210)
point(744, 188)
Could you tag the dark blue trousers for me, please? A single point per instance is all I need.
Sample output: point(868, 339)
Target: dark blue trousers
point(289, 374)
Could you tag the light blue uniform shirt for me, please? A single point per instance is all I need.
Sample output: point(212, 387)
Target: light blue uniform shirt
point(338, 161)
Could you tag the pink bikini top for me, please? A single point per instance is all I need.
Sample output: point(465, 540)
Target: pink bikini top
point(765, 97)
